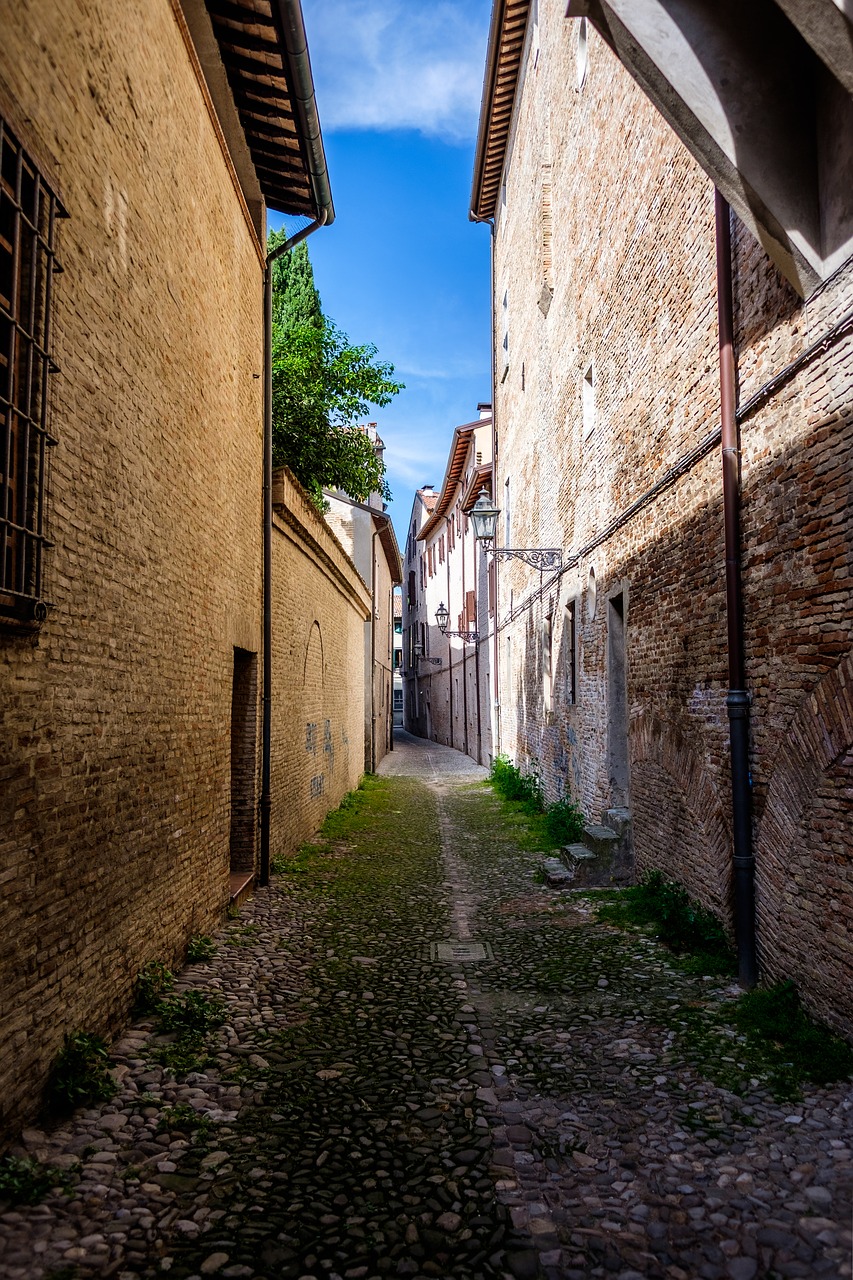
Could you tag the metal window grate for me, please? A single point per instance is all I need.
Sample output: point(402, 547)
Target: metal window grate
point(28, 214)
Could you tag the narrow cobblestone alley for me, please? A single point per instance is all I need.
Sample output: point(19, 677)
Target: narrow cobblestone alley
point(434, 1066)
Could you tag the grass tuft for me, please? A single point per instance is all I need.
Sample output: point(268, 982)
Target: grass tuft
point(80, 1073)
point(28, 1182)
point(200, 947)
point(680, 922)
point(800, 1048)
point(550, 825)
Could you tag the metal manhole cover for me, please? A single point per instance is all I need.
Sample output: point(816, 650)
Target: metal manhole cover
point(461, 952)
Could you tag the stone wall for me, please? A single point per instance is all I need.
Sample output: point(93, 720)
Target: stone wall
point(605, 296)
point(320, 605)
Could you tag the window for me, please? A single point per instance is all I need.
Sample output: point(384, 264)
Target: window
point(588, 401)
point(570, 651)
point(582, 52)
point(507, 524)
point(547, 665)
point(505, 326)
point(28, 214)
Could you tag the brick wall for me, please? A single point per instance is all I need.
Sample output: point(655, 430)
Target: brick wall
point(320, 606)
point(115, 816)
point(617, 276)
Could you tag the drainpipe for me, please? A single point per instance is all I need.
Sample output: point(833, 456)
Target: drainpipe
point(737, 700)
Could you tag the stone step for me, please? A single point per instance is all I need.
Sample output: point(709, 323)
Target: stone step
point(601, 840)
point(557, 875)
point(618, 820)
point(241, 885)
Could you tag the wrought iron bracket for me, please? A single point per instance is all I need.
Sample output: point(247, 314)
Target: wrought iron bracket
point(541, 558)
point(436, 662)
point(470, 637)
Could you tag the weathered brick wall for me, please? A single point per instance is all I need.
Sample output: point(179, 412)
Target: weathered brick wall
point(320, 605)
point(797, 450)
point(629, 254)
point(115, 817)
point(626, 287)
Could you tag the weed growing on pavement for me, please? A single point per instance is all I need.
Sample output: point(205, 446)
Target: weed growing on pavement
point(182, 1118)
point(245, 937)
point(511, 784)
point(549, 825)
point(192, 1014)
point(80, 1073)
point(28, 1182)
point(564, 822)
point(355, 812)
point(153, 982)
point(191, 1017)
point(800, 1048)
point(681, 923)
point(200, 947)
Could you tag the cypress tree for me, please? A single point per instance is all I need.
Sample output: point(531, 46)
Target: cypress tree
point(296, 302)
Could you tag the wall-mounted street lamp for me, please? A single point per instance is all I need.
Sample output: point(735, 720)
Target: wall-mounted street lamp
point(419, 653)
point(484, 518)
point(442, 617)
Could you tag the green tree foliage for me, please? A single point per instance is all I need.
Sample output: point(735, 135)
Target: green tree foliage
point(295, 300)
point(322, 385)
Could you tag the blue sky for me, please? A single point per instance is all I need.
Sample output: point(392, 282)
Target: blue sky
point(398, 89)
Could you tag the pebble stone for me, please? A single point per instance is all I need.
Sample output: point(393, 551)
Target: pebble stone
point(369, 1111)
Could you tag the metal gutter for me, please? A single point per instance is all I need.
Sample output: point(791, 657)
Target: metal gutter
point(305, 107)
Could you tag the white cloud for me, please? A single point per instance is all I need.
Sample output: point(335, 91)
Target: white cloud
point(399, 64)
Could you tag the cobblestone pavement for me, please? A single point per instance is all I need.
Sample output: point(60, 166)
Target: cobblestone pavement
point(435, 1067)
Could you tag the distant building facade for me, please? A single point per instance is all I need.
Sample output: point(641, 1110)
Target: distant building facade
point(614, 673)
point(397, 684)
point(447, 675)
point(365, 532)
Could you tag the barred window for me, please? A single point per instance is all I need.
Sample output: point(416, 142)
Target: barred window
point(28, 214)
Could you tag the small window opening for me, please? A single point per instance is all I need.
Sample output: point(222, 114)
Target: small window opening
point(570, 651)
point(582, 52)
point(588, 401)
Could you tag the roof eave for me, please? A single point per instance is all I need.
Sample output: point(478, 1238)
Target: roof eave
point(503, 56)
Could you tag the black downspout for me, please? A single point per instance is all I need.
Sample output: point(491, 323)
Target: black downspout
point(266, 721)
point(738, 700)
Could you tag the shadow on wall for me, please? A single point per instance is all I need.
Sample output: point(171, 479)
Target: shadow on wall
point(797, 574)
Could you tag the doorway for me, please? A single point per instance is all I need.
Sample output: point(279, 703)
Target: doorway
point(244, 721)
point(617, 701)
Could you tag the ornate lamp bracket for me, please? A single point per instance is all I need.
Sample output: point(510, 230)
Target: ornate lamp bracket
point(541, 558)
